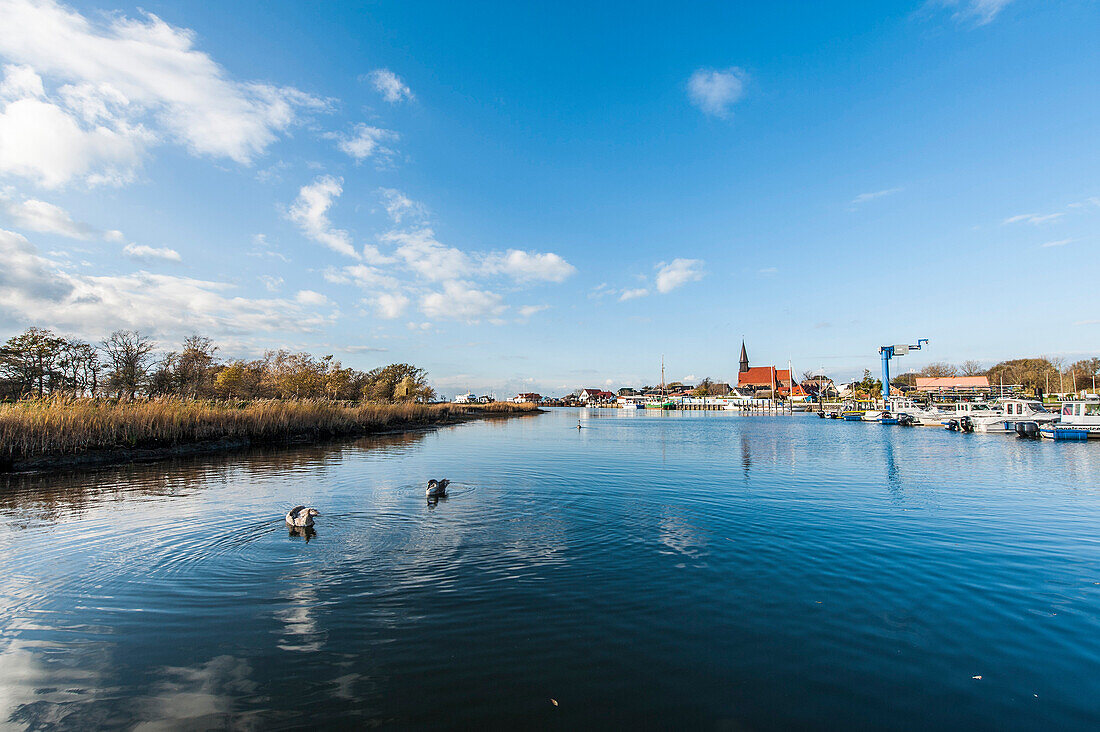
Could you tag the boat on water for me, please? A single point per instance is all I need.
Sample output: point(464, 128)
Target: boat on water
point(1078, 420)
point(928, 416)
point(1011, 413)
point(853, 411)
point(873, 415)
point(962, 418)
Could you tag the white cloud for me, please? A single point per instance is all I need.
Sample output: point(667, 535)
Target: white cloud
point(46, 144)
point(126, 72)
point(528, 310)
point(678, 272)
point(34, 290)
point(390, 85)
point(980, 11)
point(141, 251)
point(1058, 243)
point(525, 266)
point(1033, 218)
point(261, 247)
point(422, 253)
point(767, 270)
point(865, 197)
point(366, 142)
point(399, 206)
point(310, 212)
point(715, 91)
point(36, 215)
point(462, 301)
point(272, 283)
point(631, 294)
point(363, 275)
point(390, 305)
point(310, 297)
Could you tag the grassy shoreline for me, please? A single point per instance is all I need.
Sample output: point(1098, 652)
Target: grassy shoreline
point(63, 433)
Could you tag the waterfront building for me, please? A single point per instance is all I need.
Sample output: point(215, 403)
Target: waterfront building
point(527, 397)
point(596, 396)
point(765, 378)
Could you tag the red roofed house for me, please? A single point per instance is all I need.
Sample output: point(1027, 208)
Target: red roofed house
point(596, 396)
point(760, 378)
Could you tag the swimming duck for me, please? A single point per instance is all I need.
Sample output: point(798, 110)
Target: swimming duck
point(437, 488)
point(301, 516)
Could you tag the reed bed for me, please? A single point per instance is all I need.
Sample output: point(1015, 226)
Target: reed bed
point(40, 428)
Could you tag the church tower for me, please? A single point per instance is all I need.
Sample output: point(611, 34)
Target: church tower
point(744, 358)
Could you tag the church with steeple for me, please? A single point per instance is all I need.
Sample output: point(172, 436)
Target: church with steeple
point(751, 379)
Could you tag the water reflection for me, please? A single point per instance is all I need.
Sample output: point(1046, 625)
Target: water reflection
point(301, 532)
point(578, 566)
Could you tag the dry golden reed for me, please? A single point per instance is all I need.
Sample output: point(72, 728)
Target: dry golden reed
point(65, 426)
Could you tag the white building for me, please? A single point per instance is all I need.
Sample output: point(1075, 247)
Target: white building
point(469, 398)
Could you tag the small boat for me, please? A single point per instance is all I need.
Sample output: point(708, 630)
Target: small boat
point(929, 416)
point(1012, 412)
point(873, 415)
point(962, 419)
point(1079, 420)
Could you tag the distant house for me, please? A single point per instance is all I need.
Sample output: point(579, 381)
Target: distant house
point(821, 386)
point(596, 396)
point(470, 398)
point(486, 399)
point(527, 397)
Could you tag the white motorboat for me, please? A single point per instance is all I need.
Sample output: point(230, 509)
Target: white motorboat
point(1012, 412)
point(1079, 420)
point(929, 416)
point(872, 415)
point(962, 419)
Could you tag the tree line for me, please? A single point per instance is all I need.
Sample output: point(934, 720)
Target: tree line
point(1035, 374)
point(127, 364)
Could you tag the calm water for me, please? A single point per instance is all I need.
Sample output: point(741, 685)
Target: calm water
point(655, 570)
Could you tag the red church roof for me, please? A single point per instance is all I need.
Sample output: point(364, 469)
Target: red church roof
point(768, 376)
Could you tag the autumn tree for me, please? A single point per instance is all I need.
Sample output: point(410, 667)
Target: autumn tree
point(129, 354)
point(29, 361)
point(398, 382)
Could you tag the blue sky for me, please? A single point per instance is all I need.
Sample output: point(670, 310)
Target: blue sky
point(526, 198)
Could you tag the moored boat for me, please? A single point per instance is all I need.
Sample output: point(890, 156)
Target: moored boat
point(1079, 420)
point(1011, 413)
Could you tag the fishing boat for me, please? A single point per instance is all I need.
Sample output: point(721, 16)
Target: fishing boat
point(1079, 420)
point(1012, 412)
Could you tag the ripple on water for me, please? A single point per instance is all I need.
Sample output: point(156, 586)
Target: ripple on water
point(718, 563)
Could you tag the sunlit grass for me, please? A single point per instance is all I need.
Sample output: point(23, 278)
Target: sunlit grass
point(35, 428)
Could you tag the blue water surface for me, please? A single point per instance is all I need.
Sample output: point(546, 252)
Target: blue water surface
point(654, 570)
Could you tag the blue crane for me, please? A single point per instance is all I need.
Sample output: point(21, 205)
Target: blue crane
point(889, 352)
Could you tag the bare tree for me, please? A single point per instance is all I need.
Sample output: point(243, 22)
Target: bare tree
point(972, 368)
point(129, 354)
point(939, 368)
